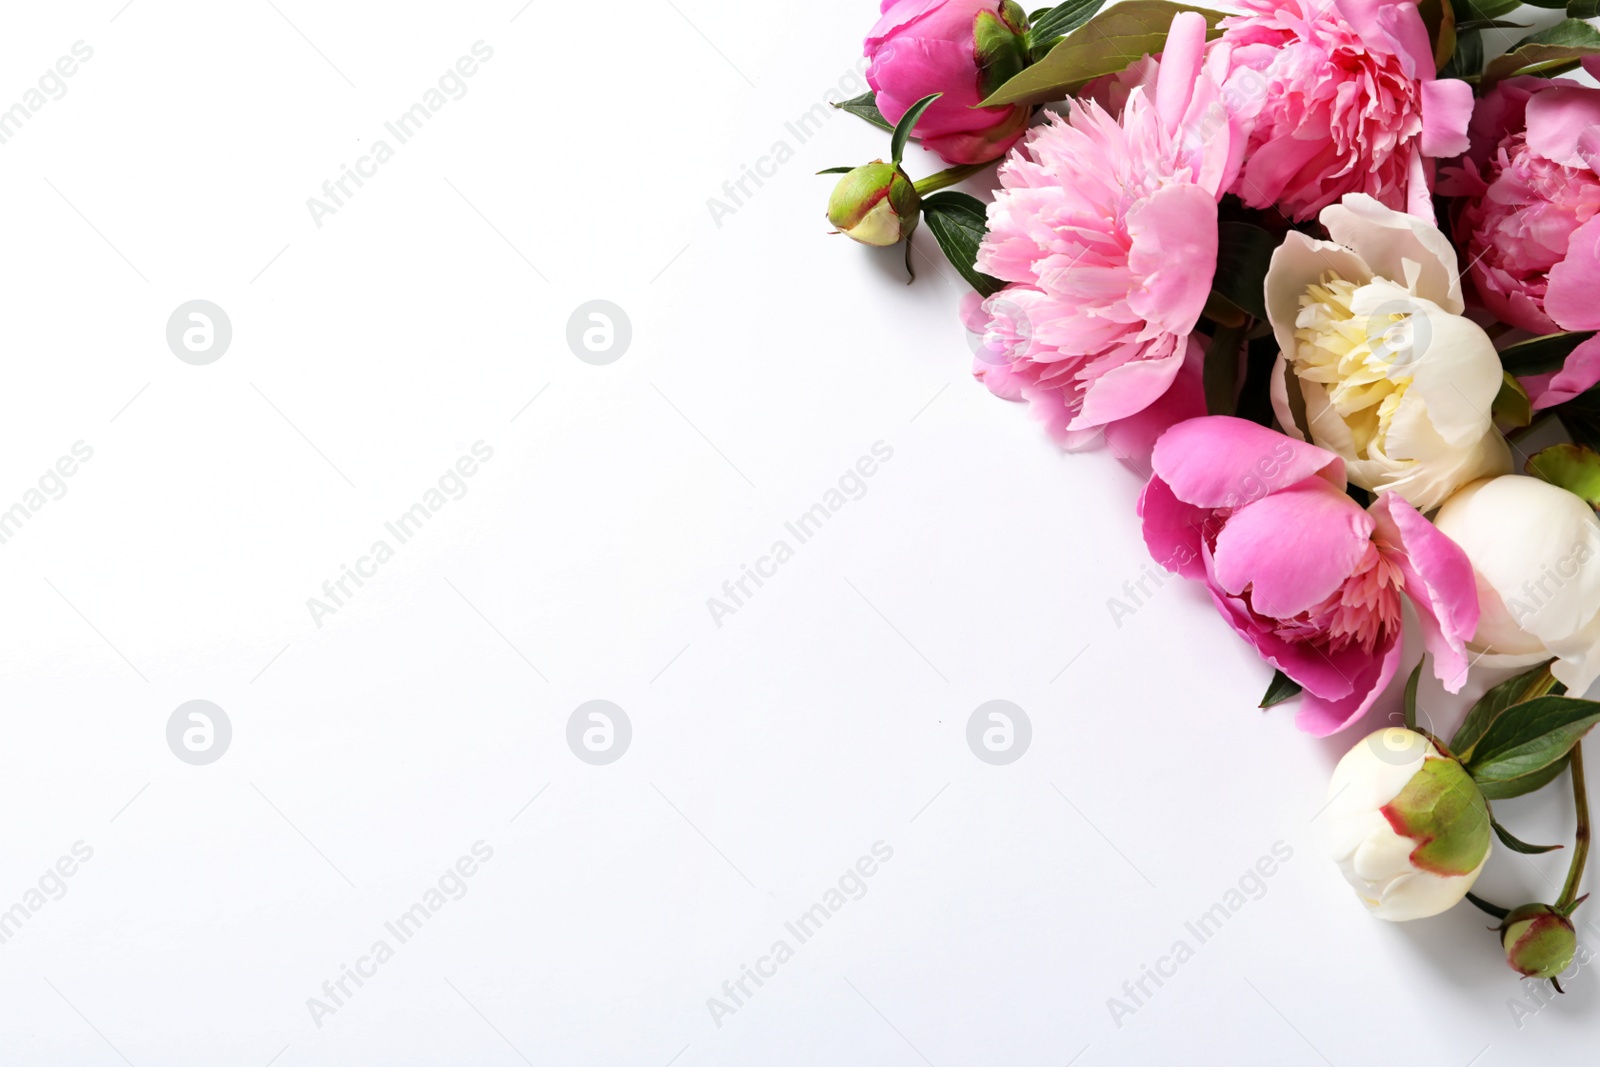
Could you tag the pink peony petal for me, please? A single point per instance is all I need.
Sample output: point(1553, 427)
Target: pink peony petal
point(1319, 717)
point(1172, 530)
point(1293, 549)
point(1439, 581)
point(1573, 296)
point(1446, 111)
point(1220, 461)
point(1579, 374)
point(1558, 117)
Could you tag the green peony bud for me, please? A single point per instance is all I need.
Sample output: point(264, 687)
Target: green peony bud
point(1538, 940)
point(875, 204)
point(1000, 46)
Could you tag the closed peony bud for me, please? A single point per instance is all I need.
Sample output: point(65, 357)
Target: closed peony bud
point(1539, 941)
point(1535, 553)
point(1410, 828)
point(875, 204)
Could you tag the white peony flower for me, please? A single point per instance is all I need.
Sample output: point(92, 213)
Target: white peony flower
point(1535, 552)
point(1376, 360)
point(1410, 830)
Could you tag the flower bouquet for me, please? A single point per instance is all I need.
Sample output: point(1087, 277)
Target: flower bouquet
point(1317, 270)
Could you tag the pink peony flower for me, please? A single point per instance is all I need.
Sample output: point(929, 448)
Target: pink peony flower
point(1342, 98)
point(964, 49)
point(1299, 569)
point(1107, 227)
point(1530, 218)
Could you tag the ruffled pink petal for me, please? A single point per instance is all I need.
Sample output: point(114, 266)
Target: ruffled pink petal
point(1293, 549)
point(1173, 530)
point(1220, 461)
point(1180, 67)
point(1579, 374)
point(1439, 581)
point(1573, 296)
point(1321, 717)
point(1174, 235)
point(1446, 111)
point(1558, 118)
point(1134, 437)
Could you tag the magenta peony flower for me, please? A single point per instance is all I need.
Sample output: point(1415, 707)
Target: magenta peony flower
point(1107, 226)
point(1528, 223)
point(965, 49)
point(1299, 569)
point(1344, 100)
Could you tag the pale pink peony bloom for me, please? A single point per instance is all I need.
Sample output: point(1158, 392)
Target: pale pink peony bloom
point(919, 47)
point(1300, 570)
point(1529, 221)
point(1107, 227)
point(1340, 97)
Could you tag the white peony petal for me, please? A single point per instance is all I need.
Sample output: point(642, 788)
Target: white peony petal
point(1387, 239)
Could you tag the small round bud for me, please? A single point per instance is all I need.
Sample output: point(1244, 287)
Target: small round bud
point(1539, 941)
point(875, 204)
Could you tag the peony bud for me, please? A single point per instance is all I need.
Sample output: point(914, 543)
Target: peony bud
point(1535, 551)
point(1539, 941)
point(875, 204)
point(1410, 828)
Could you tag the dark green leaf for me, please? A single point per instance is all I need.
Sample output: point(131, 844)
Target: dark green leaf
point(1106, 44)
point(1531, 736)
point(1549, 52)
point(836, 170)
point(1528, 783)
point(1484, 9)
point(1244, 252)
point(958, 222)
point(1583, 9)
point(908, 122)
point(1541, 355)
point(1058, 21)
point(1221, 372)
point(1411, 695)
point(1553, 5)
point(1508, 839)
point(1282, 688)
point(866, 106)
point(1491, 24)
point(1467, 62)
point(1490, 707)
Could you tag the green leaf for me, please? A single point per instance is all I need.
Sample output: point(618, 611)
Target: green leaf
point(1553, 5)
point(908, 122)
point(1244, 251)
point(1583, 9)
point(1467, 62)
point(1491, 24)
point(1484, 9)
point(1549, 52)
point(836, 170)
point(1282, 688)
point(1528, 783)
point(1221, 370)
point(1490, 707)
point(1574, 468)
point(958, 222)
point(1051, 25)
point(1439, 18)
point(1529, 737)
point(866, 106)
point(1508, 839)
point(1541, 355)
point(1411, 695)
point(1106, 44)
point(1511, 405)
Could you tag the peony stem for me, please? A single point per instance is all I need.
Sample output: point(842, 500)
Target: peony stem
point(1580, 845)
point(947, 178)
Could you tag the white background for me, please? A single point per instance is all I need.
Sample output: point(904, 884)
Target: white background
point(769, 754)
